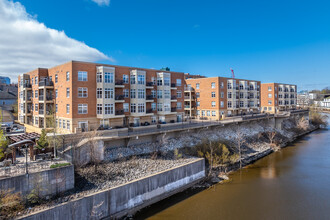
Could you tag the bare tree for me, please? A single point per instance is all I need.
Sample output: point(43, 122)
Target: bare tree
point(240, 141)
point(92, 145)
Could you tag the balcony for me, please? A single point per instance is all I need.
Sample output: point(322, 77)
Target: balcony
point(149, 111)
point(149, 85)
point(27, 86)
point(189, 98)
point(149, 98)
point(173, 109)
point(119, 98)
point(49, 98)
point(119, 112)
point(188, 89)
point(119, 84)
point(46, 83)
point(173, 98)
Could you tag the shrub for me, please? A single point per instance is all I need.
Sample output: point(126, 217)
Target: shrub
point(318, 119)
point(59, 165)
point(10, 203)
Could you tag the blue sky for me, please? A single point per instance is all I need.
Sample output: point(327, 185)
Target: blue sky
point(272, 41)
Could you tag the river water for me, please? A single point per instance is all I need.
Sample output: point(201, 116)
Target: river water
point(293, 183)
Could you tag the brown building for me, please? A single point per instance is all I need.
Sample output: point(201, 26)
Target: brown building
point(80, 96)
point(216, 97)
point(277, 97)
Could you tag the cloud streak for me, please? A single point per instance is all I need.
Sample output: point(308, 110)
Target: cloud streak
point(102, 2)
point(26, 44)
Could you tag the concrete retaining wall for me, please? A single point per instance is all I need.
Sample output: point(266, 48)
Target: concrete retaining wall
point(48, 182)
point(127, 198)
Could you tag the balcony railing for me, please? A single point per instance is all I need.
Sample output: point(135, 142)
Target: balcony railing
point(46, 83)
point(119, 112)
point(119, 97)
point(149, 84)
point(27, 85)
point(149, 97)
point(173, 97)
point(149, 110)
point(173, 109)
point(173, 85)
point(190, 89)
point(119, 82)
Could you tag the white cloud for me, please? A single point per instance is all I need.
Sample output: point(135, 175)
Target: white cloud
point(26, 44)
point(102, 2)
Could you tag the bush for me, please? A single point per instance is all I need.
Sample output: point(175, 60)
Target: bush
point(10, 204)
point(318, 119)
point(59, 165)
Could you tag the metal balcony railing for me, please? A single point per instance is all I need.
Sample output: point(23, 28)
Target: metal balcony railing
point(27, 85)
point(119, 112)
point(173, 97)
point(149, 97)
point(173, 109)
point(119, 82)
point(173, 85)
point(149, 110)
point(46, 82)
point(119, 97)
point(149, 84)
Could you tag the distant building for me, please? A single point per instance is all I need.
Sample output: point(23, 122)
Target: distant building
point(277, 97)
point(7, 99)
point(4, 80)
point(325, 103)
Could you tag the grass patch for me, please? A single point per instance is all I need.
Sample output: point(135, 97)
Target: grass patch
point(59, 165)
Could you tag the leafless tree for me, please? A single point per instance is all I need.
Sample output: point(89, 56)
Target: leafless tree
point(92, 143)
point(240, 141)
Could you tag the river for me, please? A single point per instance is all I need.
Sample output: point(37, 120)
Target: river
point(293, 183)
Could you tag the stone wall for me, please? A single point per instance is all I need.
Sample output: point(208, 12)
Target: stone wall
point(127, 198)
point(49, 182)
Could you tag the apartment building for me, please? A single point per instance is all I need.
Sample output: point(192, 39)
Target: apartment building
point(276, 97)
point(217, 97)
point(80, 96)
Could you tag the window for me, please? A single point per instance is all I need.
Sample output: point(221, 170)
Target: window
point(269, 88)
point(222, 94)
point(241, 95)
point(208, 113)
point(178, 94)
point(229, 104)
point(221, 85)
point(167, 81)
point(132, 79)
point(141, 107)
point(108, 93)
point(197, 94)
point(159, 107)
point(222, 104)
point(133, 107)
point(213, 85)
point(56, 93)
point(32, 80)
point(56, 78)
point(68, 108)
point(98, 77)
point(141, 93)
point(269, 108)
point(269, 102)
point(126, 93)
point(203, 113)
point(36, 120)
point(213, 113)
point(229, 95)
point(167, 107)
point(159, 81)
point(229, 85)
point(36, 94)
point(108, 77)
point(108, 109)
point(56, 108)
point(63, 123)
point(213, 104)
point(178, 82)
point(68, 92)
point(99, 109)
point(82, 108)
point(36, 107)
point(159, 94)
point(141, 79)
point(153, 119)
point(82, 76)
point(167, 94)
point(67, 76)
point(68, 124)
point(133, 94)
point(179, 105)
point(269, 95)
point(125, 79)
point(36, 80)
point(126, 107)
point(213, 95)
point(153, 106)
point(153, 93)
point(198, 103)
point(99, 93)
point(241, 104)
point(60, 123)
point(197, 85)
point(82, 92)
point(197, 112)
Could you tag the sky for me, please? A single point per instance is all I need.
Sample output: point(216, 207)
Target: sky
point(271, 41)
